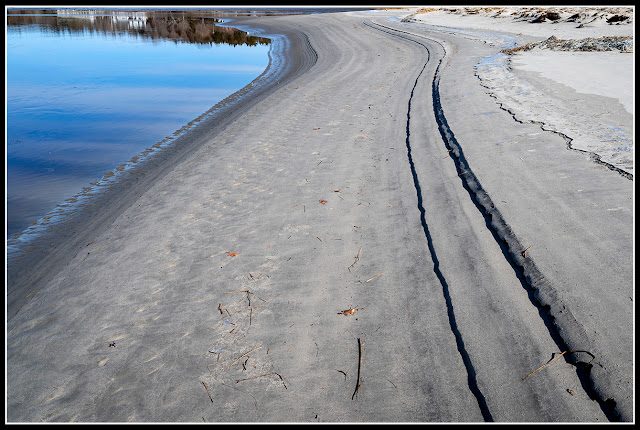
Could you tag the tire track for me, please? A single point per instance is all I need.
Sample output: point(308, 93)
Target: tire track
point(471, 373)
point(563, 327)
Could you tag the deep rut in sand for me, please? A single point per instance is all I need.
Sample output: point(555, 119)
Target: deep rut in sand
point(540, 292)
point(471, 374)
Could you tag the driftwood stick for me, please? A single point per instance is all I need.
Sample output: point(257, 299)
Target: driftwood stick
point(356, 260)
point(238, 359)
point(208, 394)
point(266, 374)
point(373, 277)
point(555, 358)
point(249, 308)
point(359, 366)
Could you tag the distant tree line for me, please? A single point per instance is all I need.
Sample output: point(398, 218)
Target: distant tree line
point(179, 27)
point(199, 30)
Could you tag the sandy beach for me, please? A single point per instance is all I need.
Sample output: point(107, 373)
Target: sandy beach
point(399, 222)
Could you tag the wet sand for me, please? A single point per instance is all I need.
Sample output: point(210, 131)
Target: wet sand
point(212, 286)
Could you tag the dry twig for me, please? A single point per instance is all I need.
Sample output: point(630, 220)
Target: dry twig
point(555, 358)
point(359, 366)
point(373, 277)
point(249, 308)
point(266, 374)
point(356, 260)
point(208, 394)
point(238, 359)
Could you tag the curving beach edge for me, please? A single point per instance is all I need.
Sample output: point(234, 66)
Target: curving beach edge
point(381, 230)
point(33, 258)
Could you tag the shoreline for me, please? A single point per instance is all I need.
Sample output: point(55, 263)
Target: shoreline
point(30, 259)
point(552, 49)
point(30, 204)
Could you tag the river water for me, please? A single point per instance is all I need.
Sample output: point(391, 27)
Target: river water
point(89, 90)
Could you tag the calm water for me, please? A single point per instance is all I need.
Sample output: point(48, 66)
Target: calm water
point(88, 91)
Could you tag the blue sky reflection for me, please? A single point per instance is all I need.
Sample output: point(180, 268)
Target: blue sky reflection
point(81, 103)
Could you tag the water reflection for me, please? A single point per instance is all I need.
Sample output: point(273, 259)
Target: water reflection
point(87, 91)
point(189, 27)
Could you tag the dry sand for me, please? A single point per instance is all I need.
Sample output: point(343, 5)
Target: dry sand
point(606, 130)
point(211, 286)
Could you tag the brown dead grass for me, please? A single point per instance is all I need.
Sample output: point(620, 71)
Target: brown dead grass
point(427, 10)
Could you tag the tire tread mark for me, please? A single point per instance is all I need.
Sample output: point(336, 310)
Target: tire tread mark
point(560, 322)
point(471, 373)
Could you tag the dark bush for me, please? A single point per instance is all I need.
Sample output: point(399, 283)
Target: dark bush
point(617, 18)
point(553, 16)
